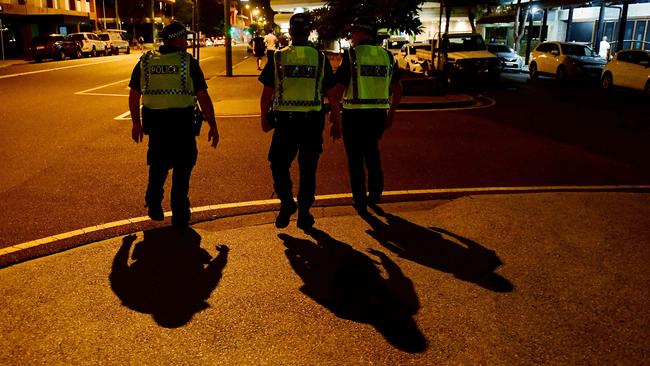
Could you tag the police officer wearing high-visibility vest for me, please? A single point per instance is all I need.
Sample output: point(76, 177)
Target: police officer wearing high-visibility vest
point(367, 78)
point(170, 82)
point(295, 80)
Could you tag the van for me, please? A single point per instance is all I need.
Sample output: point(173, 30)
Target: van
point(116, 41)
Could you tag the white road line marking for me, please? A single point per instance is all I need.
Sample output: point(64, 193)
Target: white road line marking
point(491, 102)
point(70, 234)
point(102, 86)
point(126, 116)
point(55, 69)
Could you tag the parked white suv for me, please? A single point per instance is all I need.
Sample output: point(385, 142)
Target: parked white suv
point(91, 45)
point(628, 69)
point(116, 41)
point(563, 60)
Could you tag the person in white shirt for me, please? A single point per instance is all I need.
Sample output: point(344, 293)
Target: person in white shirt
point(271, 41)
point(603, 50)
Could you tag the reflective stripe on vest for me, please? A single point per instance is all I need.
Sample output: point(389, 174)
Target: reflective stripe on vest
point(371, 71)
point(165, 80)
point(299, 72)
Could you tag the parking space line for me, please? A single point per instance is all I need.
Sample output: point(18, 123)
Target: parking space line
point(55, 69)
point(87, 91)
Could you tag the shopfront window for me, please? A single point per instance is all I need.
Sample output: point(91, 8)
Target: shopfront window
point(629, 29)
point(639, 33)
point(582, 32)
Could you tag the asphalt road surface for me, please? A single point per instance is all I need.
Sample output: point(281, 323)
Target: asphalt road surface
point(68, 163)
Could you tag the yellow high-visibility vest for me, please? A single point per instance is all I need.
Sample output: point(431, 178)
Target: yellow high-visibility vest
point(299, 72)
point(371, 71)
point(165, 80)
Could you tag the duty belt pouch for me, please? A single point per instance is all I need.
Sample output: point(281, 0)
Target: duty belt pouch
point(197, 120)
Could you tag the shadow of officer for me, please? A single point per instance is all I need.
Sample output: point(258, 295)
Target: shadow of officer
point(438, 249)
point(350, 285)
point(171, 276)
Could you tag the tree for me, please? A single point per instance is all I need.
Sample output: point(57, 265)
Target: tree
point(394, 15)
point(521, 10)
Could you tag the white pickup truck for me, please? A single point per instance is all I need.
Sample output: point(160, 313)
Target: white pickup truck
point(460, 56)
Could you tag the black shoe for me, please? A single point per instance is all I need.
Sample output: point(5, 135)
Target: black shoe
point(362, 209)
point(374, 198)
point(286, 210)
point(181, 219)
point(156, 213)
point(305, 220)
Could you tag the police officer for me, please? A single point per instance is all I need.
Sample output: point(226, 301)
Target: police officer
point(170, 82)
point(295, 80)
point(366, 79)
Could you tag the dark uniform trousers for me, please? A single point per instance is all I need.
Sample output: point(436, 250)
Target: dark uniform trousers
point(296, 133)
point(362, 129)
point(172, 145)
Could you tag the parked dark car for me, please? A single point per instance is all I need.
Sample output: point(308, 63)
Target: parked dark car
point(54, 46)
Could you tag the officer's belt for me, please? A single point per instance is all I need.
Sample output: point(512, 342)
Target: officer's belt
point(366, 101)
point(296, 103)
point(167, 92)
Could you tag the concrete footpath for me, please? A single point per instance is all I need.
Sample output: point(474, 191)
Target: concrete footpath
point(544, 278)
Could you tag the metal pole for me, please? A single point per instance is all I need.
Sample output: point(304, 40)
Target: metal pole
point(198, 30)
point(599, 28)
point(194, 29)
point(104, 13)
point(226, 8)
point(2, 39)
point(153, 22)
point(118, 22)
point(542, 33)
point(621, 29)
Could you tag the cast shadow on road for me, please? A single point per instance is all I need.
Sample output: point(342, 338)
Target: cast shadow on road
point(171, 276)
point(439, 249)
point(349, 284)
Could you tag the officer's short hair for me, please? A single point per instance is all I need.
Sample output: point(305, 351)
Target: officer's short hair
point(300, 25)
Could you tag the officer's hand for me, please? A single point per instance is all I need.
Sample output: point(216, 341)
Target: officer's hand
point(136, 133)
point(335, 131)
point(213, 135)
point(266, 126)
point(389, 119)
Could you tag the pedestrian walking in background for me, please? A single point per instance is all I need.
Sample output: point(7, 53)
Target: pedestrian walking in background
point(295, 80)
point(271, 43)
point(170, 82)
point(603, 48)
point(366, 79)
point(141, 43)
point(258, 49)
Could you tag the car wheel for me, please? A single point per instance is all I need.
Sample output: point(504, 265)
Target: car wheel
point(93, 53)
point(532, 70)
point(128, 50)
point(60, 55)
point(38, 59)
point(607, 82)
point(78, 53)
point(560, 74)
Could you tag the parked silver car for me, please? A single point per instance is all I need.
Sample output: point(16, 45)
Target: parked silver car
point(510, 60)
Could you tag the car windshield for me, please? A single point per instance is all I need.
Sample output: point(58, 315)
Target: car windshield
point(465, 43)
point(78, 37)
point(577, 50)
point(499, 48)
point(104, 37)
point(395, 45)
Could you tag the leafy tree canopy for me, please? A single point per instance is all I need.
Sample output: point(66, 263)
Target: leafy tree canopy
point(394, 15)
